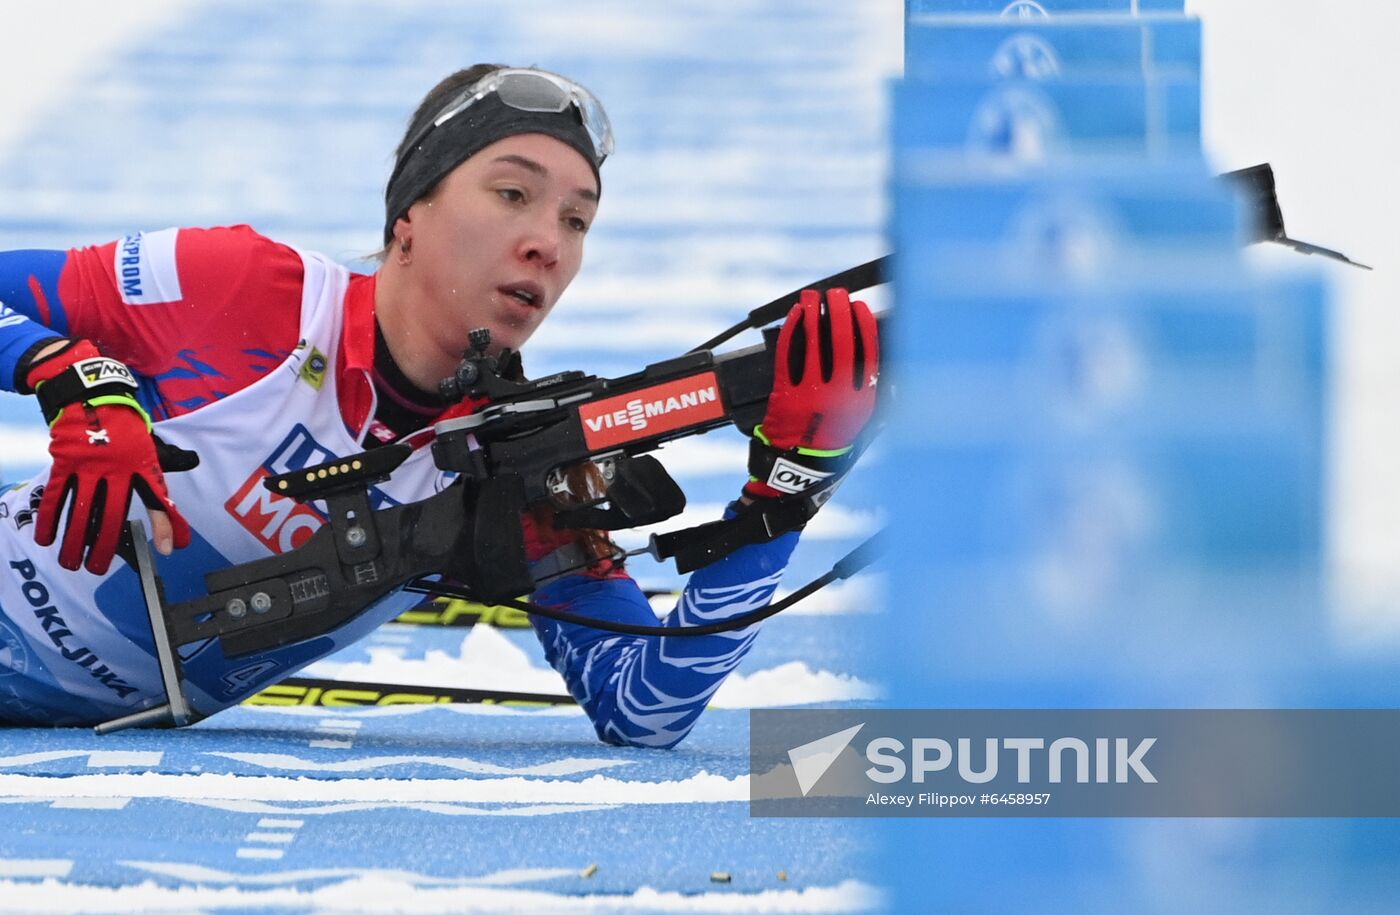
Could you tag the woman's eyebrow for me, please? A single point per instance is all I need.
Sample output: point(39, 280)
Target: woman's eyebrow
point(531, 165)
point(527, 164)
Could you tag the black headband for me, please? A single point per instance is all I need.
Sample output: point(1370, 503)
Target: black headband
point(484, 122)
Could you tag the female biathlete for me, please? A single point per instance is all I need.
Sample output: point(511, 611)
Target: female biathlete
point(260, 359)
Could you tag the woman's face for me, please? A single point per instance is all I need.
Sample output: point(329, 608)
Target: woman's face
point(499, 240)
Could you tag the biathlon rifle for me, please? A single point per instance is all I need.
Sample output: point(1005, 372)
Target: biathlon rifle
point(467, 540)
point(510, 455)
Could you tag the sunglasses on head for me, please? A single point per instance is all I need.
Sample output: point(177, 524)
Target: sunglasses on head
point(530, 90)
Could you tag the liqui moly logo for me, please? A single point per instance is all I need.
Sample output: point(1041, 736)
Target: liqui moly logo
point(279, 522)
point(651, 411)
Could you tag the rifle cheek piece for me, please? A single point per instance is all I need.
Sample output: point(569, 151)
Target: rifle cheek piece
point(641, 493)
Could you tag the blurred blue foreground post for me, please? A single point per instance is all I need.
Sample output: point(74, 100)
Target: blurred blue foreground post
point(1109, 435)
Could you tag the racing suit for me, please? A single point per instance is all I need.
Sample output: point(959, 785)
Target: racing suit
point(259, 357)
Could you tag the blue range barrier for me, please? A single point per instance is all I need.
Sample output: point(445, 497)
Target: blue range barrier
point(1107, 457)
point(1028, 121)
point(1029, 9)
point(936, 49)
point(1099, 448)
point(1111, 465)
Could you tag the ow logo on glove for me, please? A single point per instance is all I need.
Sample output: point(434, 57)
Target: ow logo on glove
point(787, 476)
point(103, 451)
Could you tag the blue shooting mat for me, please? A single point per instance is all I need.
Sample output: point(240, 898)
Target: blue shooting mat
point(439, 795)
point(1027, 121)
point(1048, 49)
point(1036, 9)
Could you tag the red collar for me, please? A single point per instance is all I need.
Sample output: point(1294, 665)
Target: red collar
point(358, 339)
point(357, 360)
point(356, 356)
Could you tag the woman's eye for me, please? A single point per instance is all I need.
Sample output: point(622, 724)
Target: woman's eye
point(511, 194)
point(577, 223)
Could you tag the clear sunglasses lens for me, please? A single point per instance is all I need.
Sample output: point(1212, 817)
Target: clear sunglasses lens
point(530, 90)
point(533, 92)
point(595, 120)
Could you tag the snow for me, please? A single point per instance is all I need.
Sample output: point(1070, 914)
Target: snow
point(351, 896)
point(489, 660)
point(702, 788)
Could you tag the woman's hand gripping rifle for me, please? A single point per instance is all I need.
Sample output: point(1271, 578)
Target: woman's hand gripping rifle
point(825, 374)
point(826, 364)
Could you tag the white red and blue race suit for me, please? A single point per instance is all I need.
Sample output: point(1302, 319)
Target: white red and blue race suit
point(259, 357)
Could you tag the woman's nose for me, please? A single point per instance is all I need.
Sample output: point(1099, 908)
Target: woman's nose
point(540, 243)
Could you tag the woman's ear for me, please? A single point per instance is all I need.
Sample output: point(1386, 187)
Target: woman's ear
point(403, 240)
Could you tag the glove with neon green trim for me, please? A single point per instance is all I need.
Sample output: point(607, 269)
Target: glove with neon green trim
point(825, 373)
point(103, 450)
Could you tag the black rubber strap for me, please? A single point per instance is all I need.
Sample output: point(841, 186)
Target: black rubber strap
point(85, 380)
point(792, 471)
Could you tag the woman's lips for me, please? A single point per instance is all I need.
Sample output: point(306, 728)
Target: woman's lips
point(527, 294)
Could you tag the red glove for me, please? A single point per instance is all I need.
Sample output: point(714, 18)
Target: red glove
point(824, 378)
point(102, 449)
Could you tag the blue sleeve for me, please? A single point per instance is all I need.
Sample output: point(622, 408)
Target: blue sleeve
point(648, 690)
point(30, 310)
